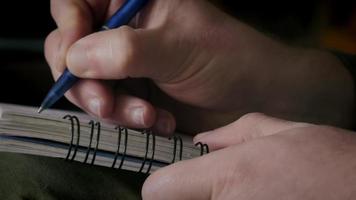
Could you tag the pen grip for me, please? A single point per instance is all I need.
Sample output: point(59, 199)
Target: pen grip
point(121, 17)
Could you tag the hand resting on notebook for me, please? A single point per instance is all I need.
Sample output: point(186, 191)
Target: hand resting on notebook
point(185, 63)
point(263, 158)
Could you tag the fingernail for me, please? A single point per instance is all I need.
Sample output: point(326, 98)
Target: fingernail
point(94, 106)
point(137, 115)
point(164, 124)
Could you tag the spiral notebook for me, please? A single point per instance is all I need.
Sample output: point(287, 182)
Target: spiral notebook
point(75, 136)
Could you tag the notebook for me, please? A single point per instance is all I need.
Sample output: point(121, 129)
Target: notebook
point(75, 136)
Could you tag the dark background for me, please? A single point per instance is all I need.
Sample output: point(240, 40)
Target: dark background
point(25, 19)
point(25, 77)
point(32, 18)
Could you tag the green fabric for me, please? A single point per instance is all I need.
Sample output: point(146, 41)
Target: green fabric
point(24, 177)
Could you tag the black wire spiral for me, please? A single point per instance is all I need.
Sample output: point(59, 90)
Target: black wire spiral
point(203, 147)
point(74, 126)
point(122, 140)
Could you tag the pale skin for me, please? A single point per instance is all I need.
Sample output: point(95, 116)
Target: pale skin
point(194, 68)
point(281, 160)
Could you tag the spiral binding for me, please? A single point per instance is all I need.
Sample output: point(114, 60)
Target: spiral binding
point(74, 124)
point(175, 139)
point(203, 147)
point(150, 148)
point(118, 146)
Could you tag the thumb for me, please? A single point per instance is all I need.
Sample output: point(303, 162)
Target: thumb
point(122, 53)
point(248, 127)
point(184, 180)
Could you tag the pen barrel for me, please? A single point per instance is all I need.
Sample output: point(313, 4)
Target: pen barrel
point(63, 84)
point(127, 11)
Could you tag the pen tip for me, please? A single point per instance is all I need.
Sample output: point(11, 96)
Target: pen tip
point(40, 109)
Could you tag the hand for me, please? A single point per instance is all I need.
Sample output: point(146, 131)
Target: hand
point(205, 68)
point(263, 158)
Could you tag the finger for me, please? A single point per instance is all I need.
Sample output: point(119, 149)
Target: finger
point(74, 20)
point(97, 98)
point(132, 112)
point(72, 15)
point(165, 123)
point(78, 18)
point(98, 92)
point(120, 109)
point(111, 54)
point(248, 127)
point(93, 96)
point(185, 180)
point(52, 47)
point(99, 10)
point(118, 54)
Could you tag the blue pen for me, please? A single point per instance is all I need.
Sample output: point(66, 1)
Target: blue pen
point(121, 17)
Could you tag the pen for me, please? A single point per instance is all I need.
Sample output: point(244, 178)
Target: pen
point(121, 17)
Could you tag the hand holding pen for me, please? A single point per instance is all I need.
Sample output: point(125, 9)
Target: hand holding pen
point(198, 64)
point(67, 80)
point(188, 59)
